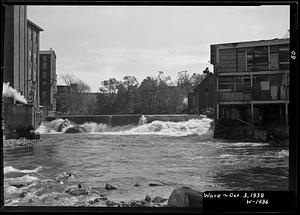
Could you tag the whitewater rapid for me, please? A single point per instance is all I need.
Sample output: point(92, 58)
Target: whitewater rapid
point(10, 169)
point(201, 127)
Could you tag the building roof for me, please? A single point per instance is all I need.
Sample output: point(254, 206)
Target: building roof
point(203, 82)
point(51, 51)
point(245, 44)
point(35, 25)
point(253, 43)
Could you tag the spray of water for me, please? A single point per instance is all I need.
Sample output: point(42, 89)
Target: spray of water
point(143, 120)
point(185, 101)
point(199, 127)
point(8, 91)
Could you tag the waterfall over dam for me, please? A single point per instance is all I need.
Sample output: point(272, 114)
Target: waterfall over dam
point(174, 125)
point(126, 119)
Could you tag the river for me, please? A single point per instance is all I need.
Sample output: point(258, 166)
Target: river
point(169, 154)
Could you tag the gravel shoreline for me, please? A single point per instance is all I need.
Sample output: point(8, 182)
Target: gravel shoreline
point(64, 190)
point(15, 143)
point(30, 190)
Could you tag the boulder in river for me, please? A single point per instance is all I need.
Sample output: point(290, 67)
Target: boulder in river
point(159, 199)
point(76, 129)
point(101, 199)
point(76, 191)
point(148, 198)
point(64, 176)
point(185, 197)
point(153, 184)
point(112, 204)
point(62, 126)
point(109, 187)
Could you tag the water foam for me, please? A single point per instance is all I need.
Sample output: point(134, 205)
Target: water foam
point(186, 128)
point(53, 126)
point(191, 127)
point(92, 127)
point(10, 169)
point(8, 91)
point(24, 179)
point(283, 153)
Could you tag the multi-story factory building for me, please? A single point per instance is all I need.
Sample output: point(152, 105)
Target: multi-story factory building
point(48, 81)
point(252, 82)
point(33, 47)
point(19, 66)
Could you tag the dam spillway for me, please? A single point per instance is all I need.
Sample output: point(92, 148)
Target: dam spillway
point(126, 119)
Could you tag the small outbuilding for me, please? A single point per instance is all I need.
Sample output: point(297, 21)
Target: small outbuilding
point(203, 96)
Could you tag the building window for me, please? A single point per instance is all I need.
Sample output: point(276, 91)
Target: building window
point(284, 57)
point(29, 34)
point(31, 93)
point(44, 58)
point(44, 75)
point(30, 55)
point(34, 36)
point(44, 85)
point(226, 83)
point(29, 73)
point(44, 94)
point(34, 74)
point(274, 61)
point(44, 65)
point(257, 58)
point(243, 83)
point(34, 57)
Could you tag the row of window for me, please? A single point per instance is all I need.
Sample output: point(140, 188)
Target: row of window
point(31, 74)
point(275, 57)
point(34, 59)
point(261, 58)
point(32, 36)
point(243, 83)
point(235, 83)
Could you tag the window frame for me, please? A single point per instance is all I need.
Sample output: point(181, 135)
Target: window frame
point(230, 84)
point(29, 34)
point(258, 58)
point(29, 73)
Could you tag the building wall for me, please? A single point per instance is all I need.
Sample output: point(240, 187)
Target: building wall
point(203, 96)
point(16, 59)
point(32, 75)
point(48, 80)
point(249, 76)
point(205, 93)
point(15, 54)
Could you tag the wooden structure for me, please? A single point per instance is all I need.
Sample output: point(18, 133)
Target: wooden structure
point(202, 97)
point(252, 82)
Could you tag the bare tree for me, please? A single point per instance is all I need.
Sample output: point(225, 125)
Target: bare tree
point(70, 78)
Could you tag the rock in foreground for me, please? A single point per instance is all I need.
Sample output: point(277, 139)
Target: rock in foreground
point(77, 191)
point(185, 197)
point(109, 187)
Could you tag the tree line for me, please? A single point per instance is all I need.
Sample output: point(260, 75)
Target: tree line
point(154, 95)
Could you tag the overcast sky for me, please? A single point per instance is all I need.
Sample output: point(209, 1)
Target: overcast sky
point(100, 42)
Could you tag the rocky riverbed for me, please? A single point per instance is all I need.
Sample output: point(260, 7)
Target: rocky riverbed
point(15, 143)
point(28, 188)
point(63, 190)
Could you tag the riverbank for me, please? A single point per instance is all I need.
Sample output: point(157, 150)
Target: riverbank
point(65, 190)
point(15, 143)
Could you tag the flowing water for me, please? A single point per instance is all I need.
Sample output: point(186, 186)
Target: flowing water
point(170, 154)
